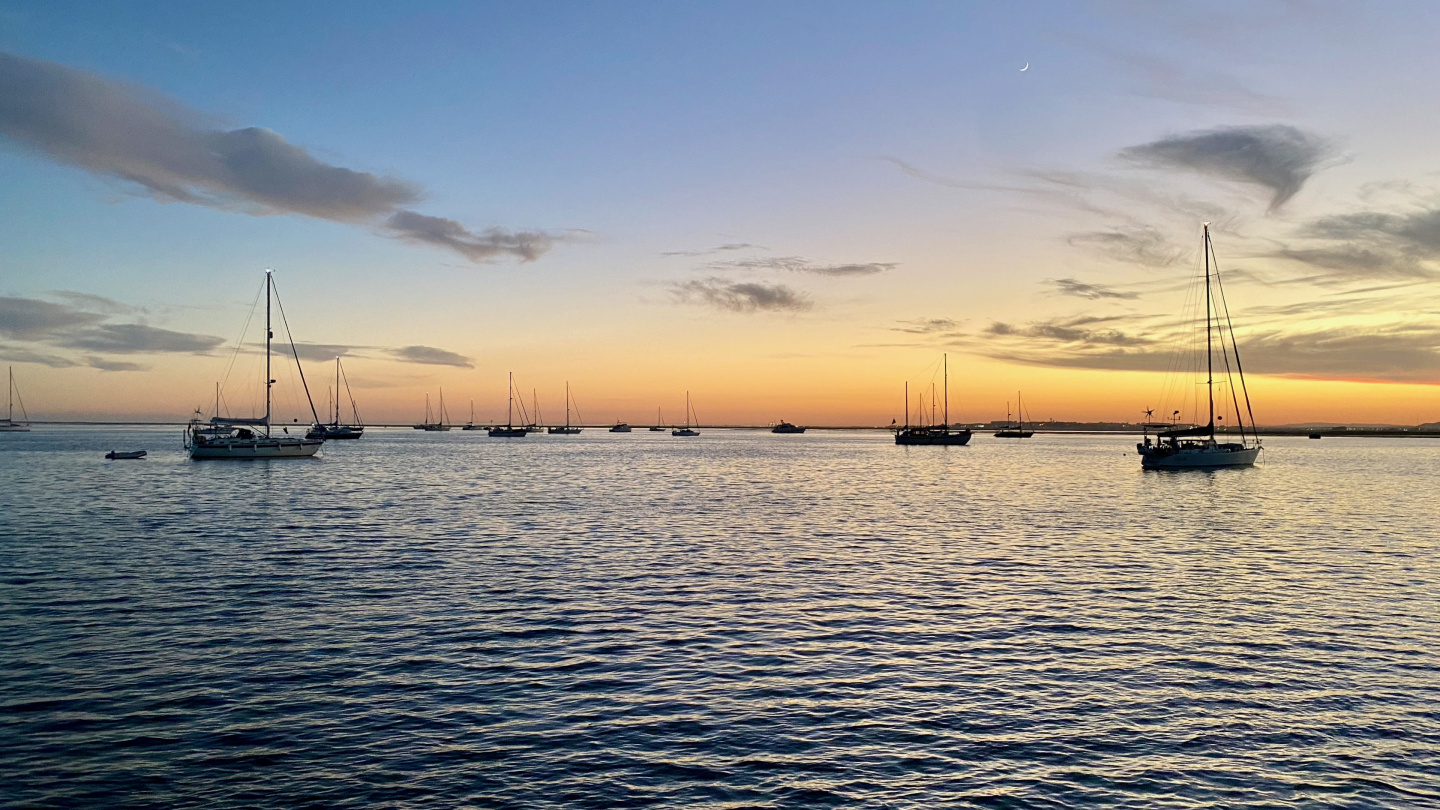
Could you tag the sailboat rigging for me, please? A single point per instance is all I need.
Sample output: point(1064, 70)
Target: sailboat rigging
point(568, 430)
point(233, 437)
point(10, 425)
point(1197, 447)
point(659, 425)
point(1015, 430)
point(333, 429)
point(440, 418)
point(510, 430)
point(687, 431)
point(932, 433)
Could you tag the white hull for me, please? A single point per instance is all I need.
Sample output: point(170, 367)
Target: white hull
point(257, 448)
point(1197, 458)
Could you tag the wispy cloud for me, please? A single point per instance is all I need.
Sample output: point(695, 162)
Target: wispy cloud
point(1081, 289)
point(1277, 157)
point(927, 326)
point(795, 264)
point(746, 297)
point(137, 338)
point(1078, 330)
point(430, 356)
point(717, 249)
point(1170, 81)
point(1130, 244)
point(120, 131)
point(30, 318)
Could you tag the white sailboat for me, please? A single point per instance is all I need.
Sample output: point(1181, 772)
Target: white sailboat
point(227, 437)
point(1197, 447)
point(10, 425)
point(687, 431)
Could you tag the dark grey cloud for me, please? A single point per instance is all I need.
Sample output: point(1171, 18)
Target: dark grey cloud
point(17, 354)
point(1278, 157)
point(795, 264)
point(1079, 330)
point(313, 352)
point(1368, 246)
point(29, 318)
point(120, 131)
point(105, 364)
point(137, 338)
point(1131, 244)
point(1081, 289)
point(95, 303)
point(431, 356)
point(477, 246)
point(739, 296)
point(717, 249)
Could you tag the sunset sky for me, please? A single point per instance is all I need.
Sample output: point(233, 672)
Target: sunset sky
point(787, 209)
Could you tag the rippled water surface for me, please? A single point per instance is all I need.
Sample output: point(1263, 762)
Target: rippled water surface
point(738, 620)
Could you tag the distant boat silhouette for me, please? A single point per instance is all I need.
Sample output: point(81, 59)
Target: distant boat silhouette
point(659, 421)
point(786, 427)
point(932, 434)
point(620, 427)
point(509, 430)
point(10, 425)
point(335, 430)
point(686, 431)
point(438, 425)
point(471, 424)
point(1013, 431)
point(567, 430)
point(1196, 447)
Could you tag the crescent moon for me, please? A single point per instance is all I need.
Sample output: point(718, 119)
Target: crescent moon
point(1027, 67)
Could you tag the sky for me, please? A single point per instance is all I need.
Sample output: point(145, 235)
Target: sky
point(788, 210)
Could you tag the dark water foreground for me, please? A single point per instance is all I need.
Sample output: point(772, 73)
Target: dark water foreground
point(738, 620)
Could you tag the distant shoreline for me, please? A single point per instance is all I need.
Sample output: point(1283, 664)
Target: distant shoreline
point(1077, 428)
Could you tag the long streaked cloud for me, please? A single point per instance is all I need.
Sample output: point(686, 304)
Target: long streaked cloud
point(430, 356)
point(745, 297)
point(717, 249)
point(1277, 157)
point(173, 154)
point(137, 338)
point(1083, 330)
point(795, 264)
point(1129, 244)
point(1080, 289)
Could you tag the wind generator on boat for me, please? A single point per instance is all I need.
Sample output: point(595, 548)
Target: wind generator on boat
point(233, 437)
point(335, 430)
point(10, 425)
point(942, 433)
point(1197, 447)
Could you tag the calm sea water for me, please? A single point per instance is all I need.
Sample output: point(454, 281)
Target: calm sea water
point(738, 620)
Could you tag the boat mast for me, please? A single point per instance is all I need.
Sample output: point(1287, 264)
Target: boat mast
point(946, 358)
point(268, 335)
point(1209, 352)
point(510, 408)
point(337, 391)
point(567, 403)
point(11, 392)
point(907, 403)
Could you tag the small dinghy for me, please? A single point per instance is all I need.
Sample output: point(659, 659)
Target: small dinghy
point(123, 454)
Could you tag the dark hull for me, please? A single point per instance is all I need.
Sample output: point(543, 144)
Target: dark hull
point(943, 436)
point(563, 431)
point(1014, 434)
point(332, 433)
point(787, 429)
point(685, 432)
point(620, 429)
point(508, 432)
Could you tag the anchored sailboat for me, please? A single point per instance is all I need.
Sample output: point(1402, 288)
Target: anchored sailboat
point(440, 418)
point(10, 425)
point(1015, 431)
point(659, 426)
point(471, 424)
point(567, 430)
point(1175, 447)
point(335, 430)
point(686, 431)
point(510, 430)
point(932, 433)
point(232, 437)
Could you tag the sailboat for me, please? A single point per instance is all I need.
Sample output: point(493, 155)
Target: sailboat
point(686, 431)
point(659, 422)
point(1015, 431)
point(1197, 447)
point(233, 437)
point(335, 430)
point(10, 425)
point(439, 417)
point(471, 424)
point(567, 430)
point(509, 430)
point(932, 433)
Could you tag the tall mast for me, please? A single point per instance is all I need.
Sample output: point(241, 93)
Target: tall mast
point(10, 391)
point(567, 403)
point(1209, 352)
point(946, 358)
point(907, 403)
point(268, 335)
point(337, 391)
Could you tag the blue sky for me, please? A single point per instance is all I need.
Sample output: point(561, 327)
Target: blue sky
point(900, 141)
